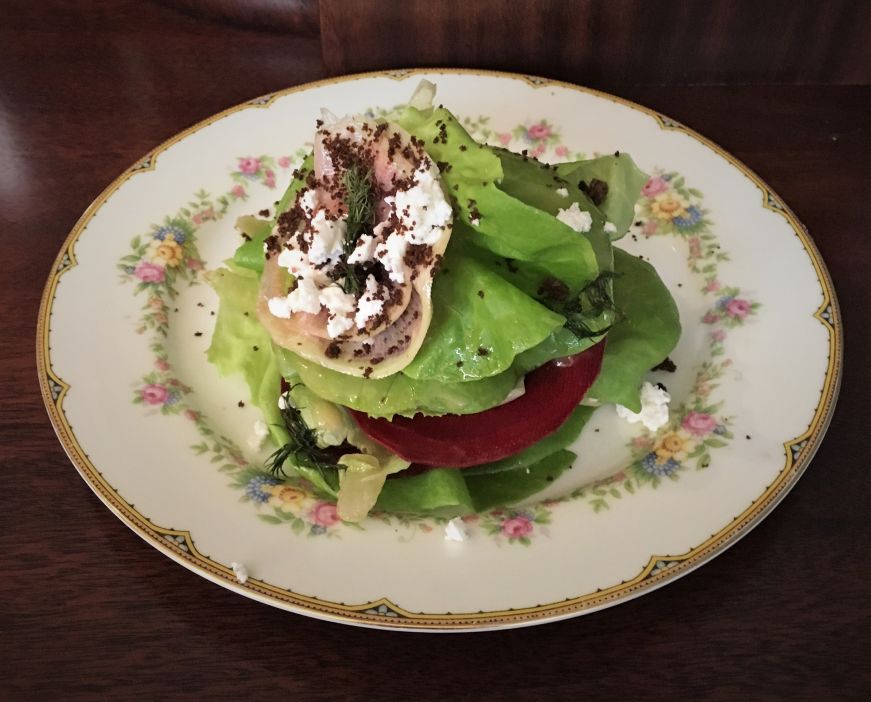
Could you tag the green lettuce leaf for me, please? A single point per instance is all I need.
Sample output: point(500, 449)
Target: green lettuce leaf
point(506, 488)
point(624, 181)
point(648, 329)
point(236, 336)
point(398, 393)
point(438, 492)
point(480, 323)
point(496, 220)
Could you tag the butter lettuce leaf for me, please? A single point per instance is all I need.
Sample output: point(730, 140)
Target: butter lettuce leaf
point(399, 393)
point(647, 331)
point(508, 487)
point(624, 181)
point(480, 323)
point(237, 333)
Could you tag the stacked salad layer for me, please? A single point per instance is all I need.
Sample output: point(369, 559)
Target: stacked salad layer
point(426, 322)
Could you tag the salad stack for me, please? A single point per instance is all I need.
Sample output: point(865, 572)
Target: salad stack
point(427, 323)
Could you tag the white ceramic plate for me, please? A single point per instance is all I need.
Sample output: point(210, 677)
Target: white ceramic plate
point(162, 440)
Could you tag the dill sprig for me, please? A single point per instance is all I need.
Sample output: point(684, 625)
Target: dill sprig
point(360, 203)
point(586, 313)
point(302, 448)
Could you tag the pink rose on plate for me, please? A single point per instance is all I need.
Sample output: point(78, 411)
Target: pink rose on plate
point(536, 132)
point(713, 285)
point(537, 151)
point(161, 364)
point(649, 228)
point(149, 272)
point(654, 186)
point(503, 138)
point(561, 151)
point(284, 162)
point(194, 264)
point(154, 394)
point(699, 423)
point(249, 166)
point(324, 514)
point(695, 247)
point(738, 308)
point(718, 334)
point(193, 415)
point(710, 318)
point(238, 191)
point(517, 527)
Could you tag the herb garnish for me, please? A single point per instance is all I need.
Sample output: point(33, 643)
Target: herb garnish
point(302, 449)
point(591, 313)
point(360, 202)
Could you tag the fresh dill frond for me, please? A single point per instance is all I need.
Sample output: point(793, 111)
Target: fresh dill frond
point(301, 449)
point(359, 200)
point(592, 312)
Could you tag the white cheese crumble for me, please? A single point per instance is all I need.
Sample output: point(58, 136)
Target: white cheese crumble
point(423, 209)
point(368, 306)
point(455, 530)
point(610, 227)
point(282, 401)
point(339, 304)
point(654, 408)
point(258, 435)
point(327, 239)
point(577, 219)
point(562, 192)
point(392, 255)
point(240, 571)
point(365, 249)
point(304, 298)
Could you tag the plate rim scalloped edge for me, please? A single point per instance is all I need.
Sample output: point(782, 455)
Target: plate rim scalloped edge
point(179, 546)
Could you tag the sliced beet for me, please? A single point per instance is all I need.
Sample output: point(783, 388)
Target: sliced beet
point(460, 441)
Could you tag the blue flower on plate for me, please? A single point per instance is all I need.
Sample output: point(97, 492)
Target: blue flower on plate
point(255, 488)
point(653, 466)
point(171, 231)
point(691, 218)
point(317, 529)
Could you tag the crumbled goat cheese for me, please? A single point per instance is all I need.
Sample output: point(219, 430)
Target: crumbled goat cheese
point(455, 530)
point(610, 227)
point(304, 298)
point(365, 249)
point(328, 238)
point(368, 306)
point(427, 210)
point(562, 192)
point(392, 255)
point(340, 304)
point(259, 434)
point(240, 571)
point(577, 219)
point(654, 408)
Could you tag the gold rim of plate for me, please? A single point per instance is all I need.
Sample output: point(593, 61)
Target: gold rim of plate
point(178, 544)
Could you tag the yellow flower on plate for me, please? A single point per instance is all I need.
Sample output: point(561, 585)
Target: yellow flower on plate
point(167, 252)
point(668, 206)
point(675, 445)
point(289, 496)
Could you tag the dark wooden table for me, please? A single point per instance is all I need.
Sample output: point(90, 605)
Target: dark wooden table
point(88, 610)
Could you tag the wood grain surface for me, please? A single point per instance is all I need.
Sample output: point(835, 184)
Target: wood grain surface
point(608, 41)
point(89, 611)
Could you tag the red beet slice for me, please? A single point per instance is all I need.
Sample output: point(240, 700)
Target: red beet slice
point(460, 441)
